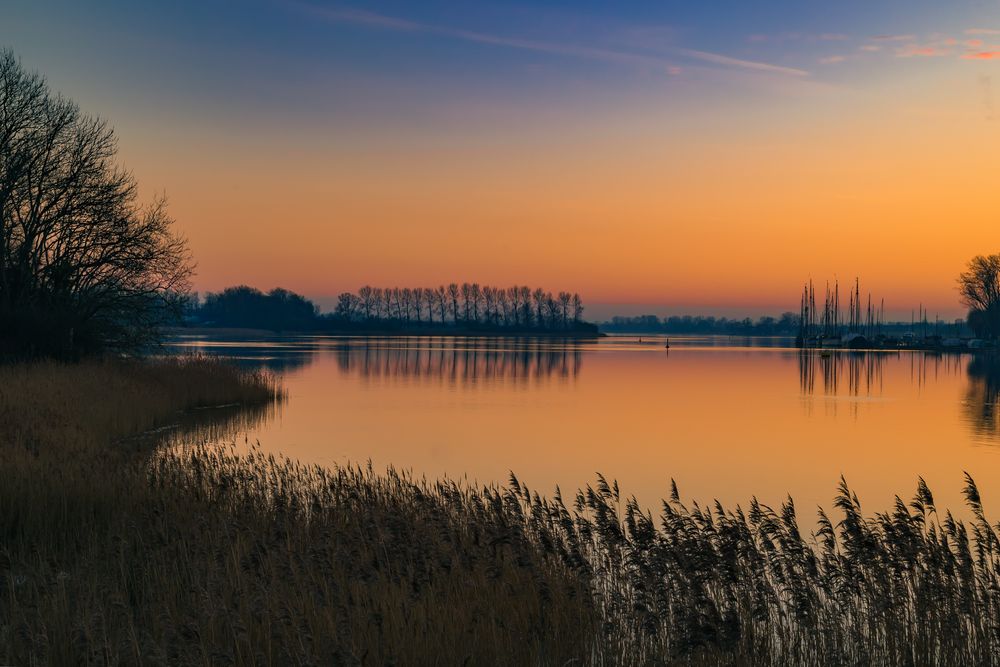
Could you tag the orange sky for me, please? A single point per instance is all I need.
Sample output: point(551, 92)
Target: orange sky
point(691, 166)
point(897, 186)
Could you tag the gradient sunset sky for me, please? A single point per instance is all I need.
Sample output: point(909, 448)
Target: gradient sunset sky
point(705, 156)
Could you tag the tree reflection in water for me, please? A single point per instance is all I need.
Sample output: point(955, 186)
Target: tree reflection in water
point(486, 361)
point(983, 395)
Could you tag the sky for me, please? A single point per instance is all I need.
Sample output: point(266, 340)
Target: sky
point(671, 157)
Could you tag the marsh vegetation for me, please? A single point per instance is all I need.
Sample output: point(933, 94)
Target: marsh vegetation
point(117, 553)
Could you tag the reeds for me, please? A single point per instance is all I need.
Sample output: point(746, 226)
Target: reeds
point(225, 556)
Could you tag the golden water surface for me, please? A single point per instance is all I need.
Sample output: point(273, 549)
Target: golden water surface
point(726, 418)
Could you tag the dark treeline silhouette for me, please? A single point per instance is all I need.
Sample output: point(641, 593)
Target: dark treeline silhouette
point(248, 307)
point(83, 265)
point(465, 308)
point(786, 325)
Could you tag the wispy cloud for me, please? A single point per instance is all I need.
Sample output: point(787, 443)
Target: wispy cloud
point(719, 59)
point(832, 60)
point(871, 48)
point(916, 51)
point(982, 31)
point(806, 37)
point(384, 22)
point(894, 38)
point(983, 55)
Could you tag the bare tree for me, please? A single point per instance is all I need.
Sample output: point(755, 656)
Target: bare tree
point(397, 298)
point(467, 300)
point(82, 263)
point(442, 301)
point(348, 306)
point(514, 296)
point(577, 308)
point(476, 296)
point(503, 306)
point(526, 311)
point(407, 296)
point(539, 297)
point(417, 297)
point(564, 300)
point(979, 287)
point(429, 298)
point(367, 296)
point(453, 293)
point(551, 310)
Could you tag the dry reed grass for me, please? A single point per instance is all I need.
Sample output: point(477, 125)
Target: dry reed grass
point(110, 555)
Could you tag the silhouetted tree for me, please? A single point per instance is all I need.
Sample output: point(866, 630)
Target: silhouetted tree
point(347, 306)
point(442, 302)
point(429, 298)
point(453, 293)
point(979, 287)
point(82, 264)
point(467, 301)
point(503, 305)
point(577, 308)
point(565, 298)
point(367, 296)
point(539, 297)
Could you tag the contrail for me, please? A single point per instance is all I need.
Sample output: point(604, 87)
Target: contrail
point(383, 22)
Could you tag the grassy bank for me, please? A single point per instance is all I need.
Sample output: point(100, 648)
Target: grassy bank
point(113, 554)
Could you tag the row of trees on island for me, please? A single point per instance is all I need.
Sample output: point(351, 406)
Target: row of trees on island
point(455, 307)
point(469, 305)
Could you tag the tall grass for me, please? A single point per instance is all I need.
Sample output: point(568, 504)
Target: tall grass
point(201, 555)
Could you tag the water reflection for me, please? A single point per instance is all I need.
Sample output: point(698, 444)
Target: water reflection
point(492, 361)
point(861, 374)
point(277, 356)
point(727, 421)
point(215, 424)
point(833, 382)
point(858, 374)
point(982, 398)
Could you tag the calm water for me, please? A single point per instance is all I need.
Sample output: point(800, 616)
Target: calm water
point(727, 418)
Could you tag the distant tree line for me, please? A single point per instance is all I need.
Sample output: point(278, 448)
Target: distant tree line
point(456, 307)
point(786, 325)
